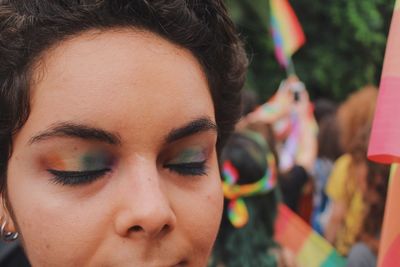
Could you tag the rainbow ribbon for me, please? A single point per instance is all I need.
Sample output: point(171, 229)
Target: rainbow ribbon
point(237, 210)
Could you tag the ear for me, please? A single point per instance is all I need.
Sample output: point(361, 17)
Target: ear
point(6, 215)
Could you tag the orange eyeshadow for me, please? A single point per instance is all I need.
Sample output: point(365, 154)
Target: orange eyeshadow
point(54, 162)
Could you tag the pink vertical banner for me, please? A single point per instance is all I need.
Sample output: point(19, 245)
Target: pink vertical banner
point(384, 146)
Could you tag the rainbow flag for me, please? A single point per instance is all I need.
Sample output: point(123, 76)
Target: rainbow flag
point(287, 33)
point(384, 143)
point(309, 248)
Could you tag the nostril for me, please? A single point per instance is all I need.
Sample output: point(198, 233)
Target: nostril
point(161, 231)
point(136, 228)
point(165, 228)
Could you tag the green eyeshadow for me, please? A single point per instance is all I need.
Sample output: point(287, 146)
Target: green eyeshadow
point(95, 160)
point(193, 154)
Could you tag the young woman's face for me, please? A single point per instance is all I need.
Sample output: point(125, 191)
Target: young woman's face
point(116, 165)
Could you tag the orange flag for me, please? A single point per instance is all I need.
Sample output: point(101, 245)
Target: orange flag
point(384, 144)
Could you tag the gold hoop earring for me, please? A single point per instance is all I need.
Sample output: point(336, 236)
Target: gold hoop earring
point(6, 235)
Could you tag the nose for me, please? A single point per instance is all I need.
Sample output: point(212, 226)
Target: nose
point(146, 211)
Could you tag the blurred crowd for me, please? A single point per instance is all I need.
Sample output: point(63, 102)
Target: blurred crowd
point(320, 171)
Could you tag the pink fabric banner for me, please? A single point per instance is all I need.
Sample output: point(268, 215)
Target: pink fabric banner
point(385, 136)
point(384, 144)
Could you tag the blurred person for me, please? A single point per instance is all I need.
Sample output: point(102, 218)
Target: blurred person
point(364, 253)
point(328, 152)
point(349, 171)
point(249, 174)
point(323, 108)
point(249, 103)
point(289, 112)
point(112, 118)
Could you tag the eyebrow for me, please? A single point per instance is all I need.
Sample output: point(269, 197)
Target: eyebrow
point(74, 130)
point(68, 129)
point(202, 124)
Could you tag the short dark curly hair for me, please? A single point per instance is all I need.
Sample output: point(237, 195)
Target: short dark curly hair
point(29, 27)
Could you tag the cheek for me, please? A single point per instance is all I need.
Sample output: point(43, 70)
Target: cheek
point(52, 227)
point(56, 238)
point(212, 219)
point(203, 215)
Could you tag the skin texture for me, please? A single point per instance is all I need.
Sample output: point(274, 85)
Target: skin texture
point(140, 212)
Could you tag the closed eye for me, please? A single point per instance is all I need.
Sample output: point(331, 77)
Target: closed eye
point(74, 178)
point(188, 168)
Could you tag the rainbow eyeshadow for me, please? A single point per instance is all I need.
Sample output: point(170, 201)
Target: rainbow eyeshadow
point(189, 155)
point(89, 161)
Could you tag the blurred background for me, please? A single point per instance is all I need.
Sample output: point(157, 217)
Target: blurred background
point(309, 104)
point(345, 44)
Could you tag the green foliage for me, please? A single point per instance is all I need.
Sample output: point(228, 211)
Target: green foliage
point(344, 50)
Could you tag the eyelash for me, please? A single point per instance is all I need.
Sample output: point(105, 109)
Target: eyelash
point(74, 178)
point(188, 169)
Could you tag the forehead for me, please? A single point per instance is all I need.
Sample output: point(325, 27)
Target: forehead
point(118, 76)
point(120, 55)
